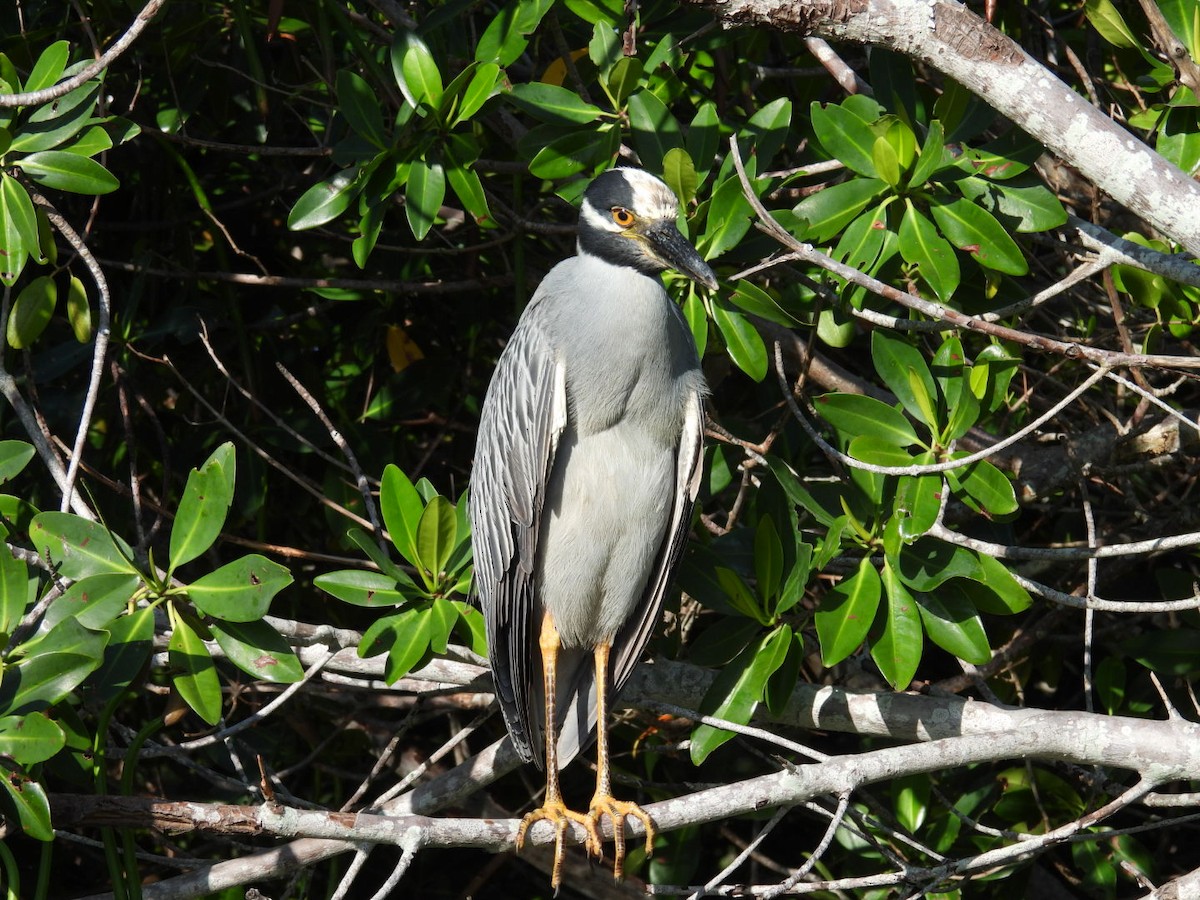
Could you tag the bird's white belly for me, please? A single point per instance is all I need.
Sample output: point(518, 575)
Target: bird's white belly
point(602, 528)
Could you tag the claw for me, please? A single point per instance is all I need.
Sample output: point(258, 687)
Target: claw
point(557, 814)
point(617, 811)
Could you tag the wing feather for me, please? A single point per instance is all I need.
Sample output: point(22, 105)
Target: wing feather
point(523, 415)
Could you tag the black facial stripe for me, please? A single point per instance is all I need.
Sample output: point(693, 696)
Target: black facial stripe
point(609, 189)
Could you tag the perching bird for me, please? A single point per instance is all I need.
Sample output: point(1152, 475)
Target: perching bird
point(586, 470)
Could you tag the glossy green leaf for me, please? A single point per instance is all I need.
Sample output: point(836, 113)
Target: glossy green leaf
point(93, 601)
point(424, 194)
point(910, 800)
point(988, 486)
point(402, 508)
point(828, 211)
point(933, 156)
point(897, 650)
point(437, 535)
point(703, 137)
point(932, 254)
point(49, 67)
point(767, 129)
point(552, 103)
point(505, 38)
point(756, 301)
point(855, 414)
point(195, 676)
point(30, 739)
point(130, 643)
point(31, 312)
point(357, 102)
point(483, 86)
point(406, 639)
point(739, 596)
point(361, 588)
point(745, 344)
point(904, 370)
point(240, 591)
point(862, 243)
point(470, 628)
point(1108, 22)
point(324, 201)
point(951, 622)
point(918, 500)
point(40, 681)
point(68, 172)
point(203, 506)
point(575, 152)
point(465, 183)
point(797, 493)
point(781, 684)
point(975, 230)
point(845, 613)
point(442, 617)
point(415, 70)
point(928, 564)
point(728, 219)
point(55, 123)
point(92, 141)
point(719, 645)
point(654, 129)
point(845, 136)
point(29, 800)
point(1001, 594)
point(18, 228)
point(737, 690)
point(680, 175)
point(258, 650)
point(14, 591)
point(79, 547)
point(886, 162)
point(14, 457)
point(79, 313)
point(1033, 206)
point(624, 78)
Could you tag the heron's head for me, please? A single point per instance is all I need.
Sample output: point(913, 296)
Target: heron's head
point(628, 219)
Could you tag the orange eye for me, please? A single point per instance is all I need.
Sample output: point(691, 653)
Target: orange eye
point(622, 216)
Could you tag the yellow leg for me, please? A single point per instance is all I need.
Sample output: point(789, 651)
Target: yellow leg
point(553, 810)
point(603, 803)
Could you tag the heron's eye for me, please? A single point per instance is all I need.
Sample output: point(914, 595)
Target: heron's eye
point(622, 216)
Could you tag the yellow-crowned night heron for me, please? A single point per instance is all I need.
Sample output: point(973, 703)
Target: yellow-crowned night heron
point(586, 470)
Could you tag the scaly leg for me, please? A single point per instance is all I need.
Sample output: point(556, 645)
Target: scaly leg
point(553, 810)
point(603, 803)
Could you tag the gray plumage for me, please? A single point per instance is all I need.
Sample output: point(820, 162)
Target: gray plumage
point(588, 460)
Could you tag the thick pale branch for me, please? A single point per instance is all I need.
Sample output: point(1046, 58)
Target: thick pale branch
point(949, 37)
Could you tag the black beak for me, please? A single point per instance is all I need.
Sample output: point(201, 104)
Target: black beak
point(674, 252)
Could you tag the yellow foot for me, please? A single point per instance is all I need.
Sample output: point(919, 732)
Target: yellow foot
point(617, 811)
point(556, 813)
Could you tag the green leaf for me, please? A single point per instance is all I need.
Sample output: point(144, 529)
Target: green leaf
point(41, 681)
point(57, 122)
point(951, 622)
point(14, 457)
point(325, 200)
point(482, 88)
point(828, 211)
point(845, 613)
point(130, 643)
point(703, 137)
point(781, 683)
point(504, 40)
point(1108, 22)
point(918, 500)
point(886, 162)
point(30, 739)
point(93, 601)
point(845, 136)
point(768, 558)
point(79, 547)
point(79, 313)
point(442, 617)
point(361, 588)
point(573, 153)
point(745, 344)
point(48, 68)
point(737, 689)
point(654, 129)
point(14, 592)
point(904, 370)
point(928, 563)
point(797, 493)
point(728, 219)
point(897, 650)
point(988, 486)
point(405, 638)
point(68, 172)
point(358, 103)
point(935, 259)
point(258, 650)
point(738, 596)
point(424, 194)
point(767, 130)
point(552, 103)
point(1033, 206)
point(18, 228)
point(910, 800)
point(402, 509)
point(933, 156)
point(719, 645)
point(624, 79)
point(203, 507)
point(680, 175)
point(437, 535)
point(28, 798)
point(756, 301)
point(31, 312)
point(415, 70)
point(240, 591)
point(1001, 594)
point(855, 414)
point(195, 676)
point(972, 228)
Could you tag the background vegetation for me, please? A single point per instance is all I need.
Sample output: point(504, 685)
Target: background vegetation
point(258, 263)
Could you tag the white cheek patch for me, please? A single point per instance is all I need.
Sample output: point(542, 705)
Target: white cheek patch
point(599, 219)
